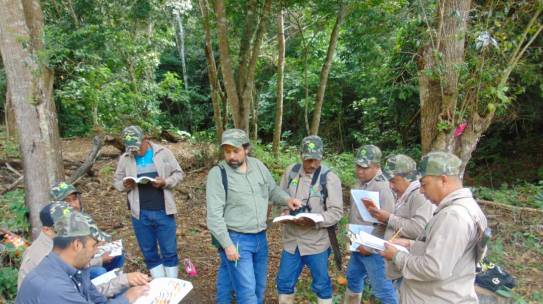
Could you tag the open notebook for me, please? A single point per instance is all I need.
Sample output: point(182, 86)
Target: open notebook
point(166, 291)
point(365, 239)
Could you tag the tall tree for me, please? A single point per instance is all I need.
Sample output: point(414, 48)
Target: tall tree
point(31, 84)
point(239, 90)
point(280, 78)
point(325, 71)
point(455, 113)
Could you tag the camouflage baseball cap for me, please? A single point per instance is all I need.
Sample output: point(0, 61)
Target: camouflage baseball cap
point(312, 147)
point(61, 190)
point(234, 137)
point(132, 138)
point(367, 155)
point(401, 165)
point(79, 224)
point(440, 163)
point(53, 211)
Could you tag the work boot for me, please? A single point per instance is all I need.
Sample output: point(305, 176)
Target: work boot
point(351, 297)
point(286, 298)
point(324, 301)
point(172, 272)
point(158, 271)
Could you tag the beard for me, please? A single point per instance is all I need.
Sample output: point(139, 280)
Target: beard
point(234, 164)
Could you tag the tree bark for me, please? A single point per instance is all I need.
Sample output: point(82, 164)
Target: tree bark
point(181, 47)
point(280, 77)
point(325, 71)
point(11, 123)
point(226, 64)
point(212, 71)
point(31, 84)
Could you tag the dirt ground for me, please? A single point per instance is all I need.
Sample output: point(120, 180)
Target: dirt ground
point(109, 208)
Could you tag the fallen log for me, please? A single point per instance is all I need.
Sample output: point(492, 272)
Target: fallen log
point(97, 144)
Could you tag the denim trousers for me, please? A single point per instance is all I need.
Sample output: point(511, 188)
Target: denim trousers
point(116, 262)
point(291, 267)
point(224, 286)
point(371, 267)
point(153, 229)
point(248, 274)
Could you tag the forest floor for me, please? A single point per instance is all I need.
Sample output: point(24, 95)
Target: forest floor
point(517, 231)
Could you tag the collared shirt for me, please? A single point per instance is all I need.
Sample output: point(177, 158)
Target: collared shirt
point(312, 239)
point(43, 245)
point(167, 167)
point(246, 208)
point(54, 281)
point(440, 265)
point(411, 214)
point(386, 199)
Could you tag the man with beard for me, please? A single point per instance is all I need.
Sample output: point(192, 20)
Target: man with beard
point(237, 194)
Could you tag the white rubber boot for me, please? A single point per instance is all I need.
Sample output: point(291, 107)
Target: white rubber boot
point(286, 298)
point(172, 272)
point(324, 301)
point(157, 271)
point(351, 297)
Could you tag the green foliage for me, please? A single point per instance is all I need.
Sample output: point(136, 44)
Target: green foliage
point(522, 195)
point(8, 282)
point(13, 211)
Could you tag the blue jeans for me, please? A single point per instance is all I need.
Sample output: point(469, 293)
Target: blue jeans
point(224, 284)
point(249, 274)
point(373, 267)
point(291, 266)
point(117, 262)
point(156, 227)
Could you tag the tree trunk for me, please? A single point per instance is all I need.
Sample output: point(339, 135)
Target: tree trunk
point(212, 71)
point(226, 64)
point(11, 123)
point(254, 115)
point(31, 84)
point(280, 77)
point(181, 48)
point(326, 70)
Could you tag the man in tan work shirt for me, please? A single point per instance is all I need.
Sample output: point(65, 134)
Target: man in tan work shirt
point(366, 263)
point(306, 243)
point(412, 210)
point(440, 265)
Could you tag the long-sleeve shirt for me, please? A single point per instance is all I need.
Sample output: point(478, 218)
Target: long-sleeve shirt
point(440, 267)
point(54, 281)
point(246, 208)
point(411, 213)
point(312, 239)
point(167, 168)
point(386, 199)
point(43, 245)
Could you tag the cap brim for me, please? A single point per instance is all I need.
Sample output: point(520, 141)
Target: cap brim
point(388, 174)
point(362, 164)
point(102, 236)
point(311, 156)
point(230, 143)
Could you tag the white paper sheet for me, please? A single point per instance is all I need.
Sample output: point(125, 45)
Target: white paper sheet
point(166, 291)
point(356, 198)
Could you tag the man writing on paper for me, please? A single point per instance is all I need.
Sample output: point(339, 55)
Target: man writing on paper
point(237, 194)
point(440, 267)
point(98, 265)
point(152, 205)
point(365, 262)
point(43, 245)
point(61, 277)
point(304, 242)
point(412, 210)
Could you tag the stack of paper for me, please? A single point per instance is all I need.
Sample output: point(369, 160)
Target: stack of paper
point(358, 195)
point(114, 248)
point(366, 239)
point(166, 291)
point(104, 278)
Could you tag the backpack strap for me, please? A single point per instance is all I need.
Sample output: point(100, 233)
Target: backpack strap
point(293, 173)
point(224, 179)
point(324, 189)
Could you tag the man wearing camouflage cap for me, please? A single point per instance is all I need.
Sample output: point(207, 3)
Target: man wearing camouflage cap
point(412, 210)
point(237, 194)
point(61, 276)
point(152, 204)
point(366, 262)
point(306, 243)
point(67, 192)
point(440, 265)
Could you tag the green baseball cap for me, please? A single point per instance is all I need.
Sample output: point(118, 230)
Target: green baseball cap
point(312, 147)
point(53, 211)
point(234, 137)
point(368, 155)
point(132, 138)
point(440, 163)
point(61, 190)
point(401, 165)
point(73, 224)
